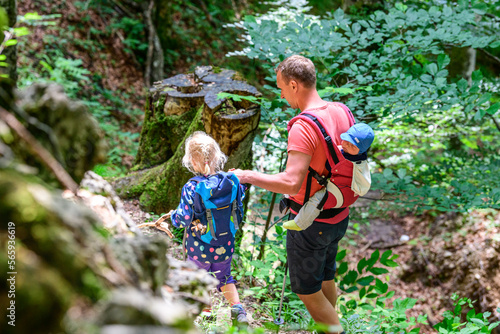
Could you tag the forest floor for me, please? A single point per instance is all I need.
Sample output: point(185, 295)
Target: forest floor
point(430, 263)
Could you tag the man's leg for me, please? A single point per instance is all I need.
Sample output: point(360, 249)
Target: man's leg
point(329, 289)
point(321, 309)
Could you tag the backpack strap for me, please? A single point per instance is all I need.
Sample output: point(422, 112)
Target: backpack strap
point(234, 214)
point(210, 222)
point(333, 158)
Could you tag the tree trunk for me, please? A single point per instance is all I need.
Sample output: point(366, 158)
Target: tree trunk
point(462, 62)
point(11, 51)
point(154, 60)
point(176, 108)
point(358, 4)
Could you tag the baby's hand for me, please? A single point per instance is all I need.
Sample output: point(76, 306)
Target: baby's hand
point(290, 225)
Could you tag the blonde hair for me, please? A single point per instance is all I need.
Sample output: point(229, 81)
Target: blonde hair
point(203, 155)
point(298, 68)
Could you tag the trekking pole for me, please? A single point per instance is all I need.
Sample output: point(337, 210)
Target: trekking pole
point(279, 321)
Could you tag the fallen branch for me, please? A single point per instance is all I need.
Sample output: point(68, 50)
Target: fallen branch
point(160, 224)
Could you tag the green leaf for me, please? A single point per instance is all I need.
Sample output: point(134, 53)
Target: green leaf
point(342, 269)
point(477, 322)
point(343, 91)
point(373, 259)
point(362, 293)
point(493, 325)
point(340, 255)
point(361, 264)
point(21, 31)
point(432, 69)
point(2, 57)
point(426, 78)
point(477, 76)
point(462, 85)
point(387, 173)
point(378, 271)
point(484, 98)
point(495, 44)
point(463, 4)
point(364, 281)
point(443, 60)
point(493, 109)
point(10, 42)
point(380, 286)
point(351, 304)
point(250, 19)
point(46, 65)
point(351, 277)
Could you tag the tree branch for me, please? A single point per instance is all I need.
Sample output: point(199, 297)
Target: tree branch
point(207, 13)
point(38, 150)
point(489, 55)
point(495, 121)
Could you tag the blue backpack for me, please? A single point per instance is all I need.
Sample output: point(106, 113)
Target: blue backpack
point(218, 206)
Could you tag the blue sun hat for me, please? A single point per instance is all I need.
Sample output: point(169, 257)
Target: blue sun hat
point(361, 135)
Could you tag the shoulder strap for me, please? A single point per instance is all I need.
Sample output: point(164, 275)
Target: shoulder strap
point(335, 156)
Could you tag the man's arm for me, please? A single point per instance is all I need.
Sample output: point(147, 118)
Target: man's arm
point(287, 182)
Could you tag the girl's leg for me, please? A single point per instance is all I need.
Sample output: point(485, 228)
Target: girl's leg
point(230, 293)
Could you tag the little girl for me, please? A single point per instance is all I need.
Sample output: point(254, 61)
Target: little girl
point(210, 209)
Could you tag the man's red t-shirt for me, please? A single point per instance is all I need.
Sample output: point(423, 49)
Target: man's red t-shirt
point(303, 138)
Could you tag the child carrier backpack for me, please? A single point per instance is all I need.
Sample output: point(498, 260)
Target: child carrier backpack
point(220, 207)
point(338, 182)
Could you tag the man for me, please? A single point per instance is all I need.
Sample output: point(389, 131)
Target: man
point(311, 252)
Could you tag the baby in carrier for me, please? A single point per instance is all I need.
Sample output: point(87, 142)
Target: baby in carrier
point(210, 209)
point(355, 143)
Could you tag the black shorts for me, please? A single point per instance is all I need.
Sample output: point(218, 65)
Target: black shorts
point(311, 255)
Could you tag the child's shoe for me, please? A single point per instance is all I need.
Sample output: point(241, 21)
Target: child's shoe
point(207, 315)
point(238, 314)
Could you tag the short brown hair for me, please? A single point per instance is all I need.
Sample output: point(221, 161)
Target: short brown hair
point(298, 68)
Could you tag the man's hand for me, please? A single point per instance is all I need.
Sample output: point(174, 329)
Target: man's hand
point(242, 175)
point(290, 225)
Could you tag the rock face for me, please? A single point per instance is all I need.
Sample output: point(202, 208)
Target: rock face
point(64, 127)
point(69, 272)
point(176, 108)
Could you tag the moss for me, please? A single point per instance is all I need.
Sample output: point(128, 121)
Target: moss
point(160, 136)
point(162, 188)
